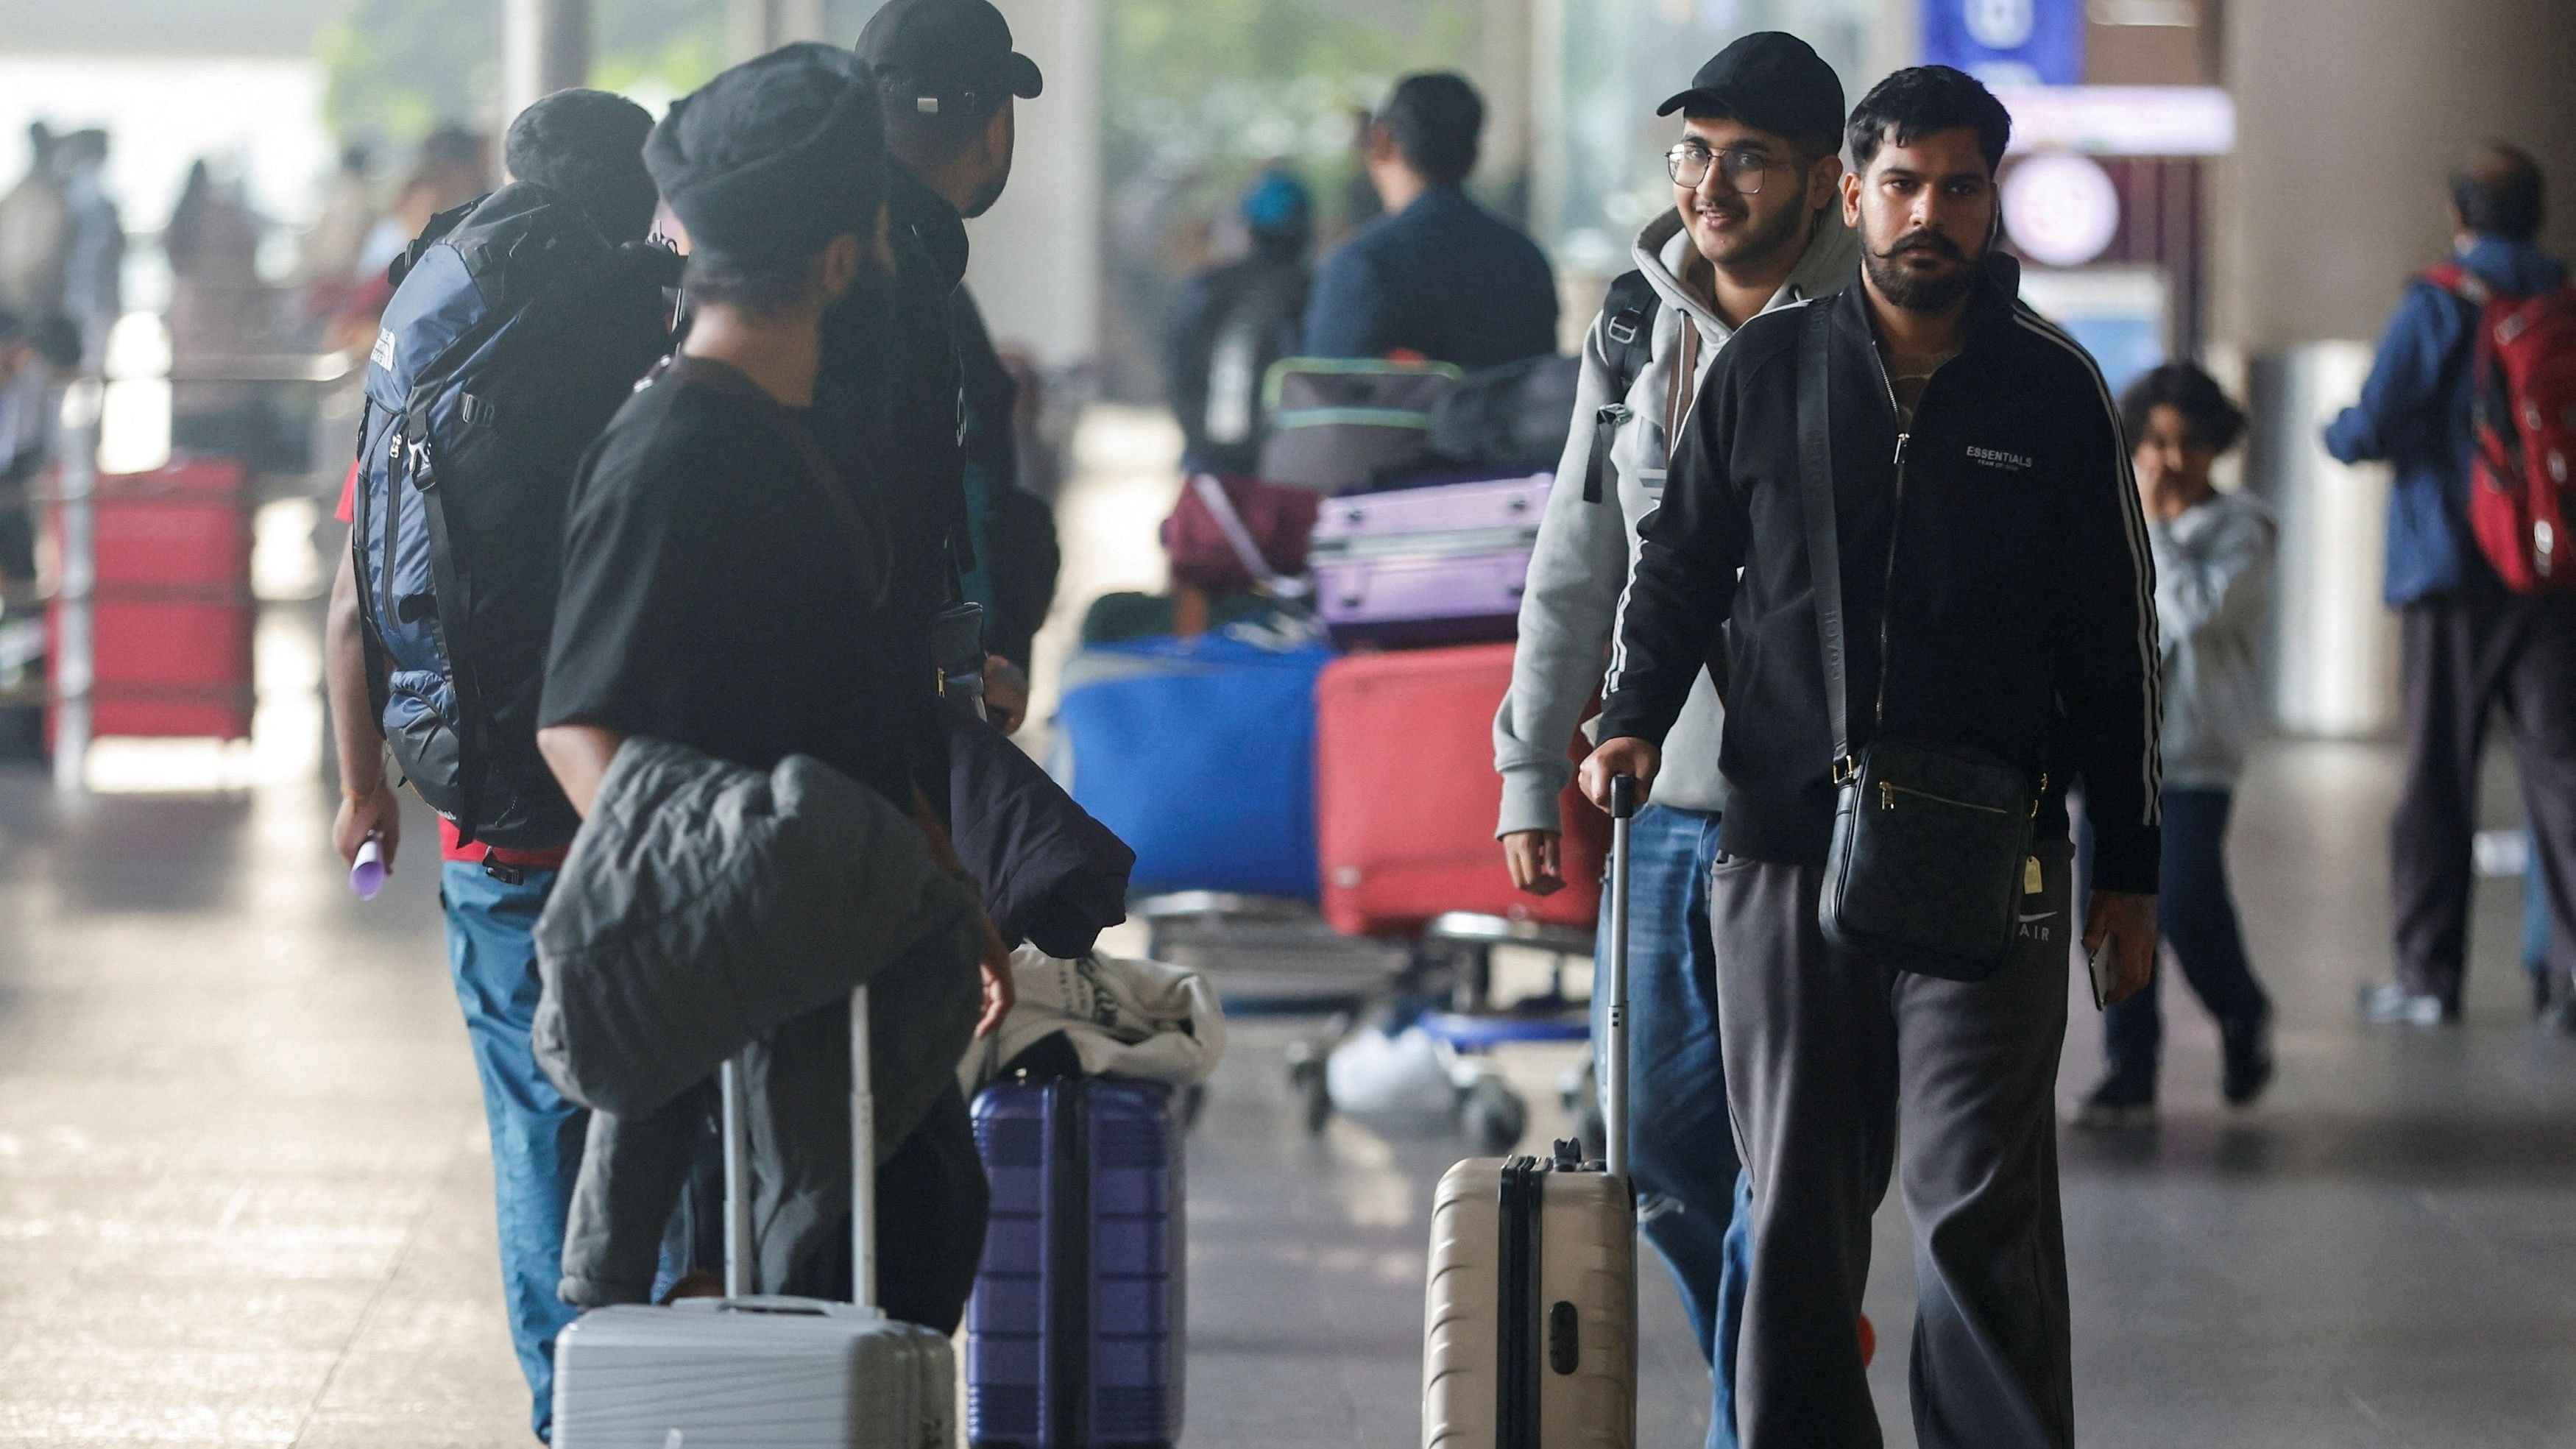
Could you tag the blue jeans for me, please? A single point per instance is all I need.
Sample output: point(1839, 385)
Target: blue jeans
point(2197, 917)
point(536, 1132)
point(1681, 1143)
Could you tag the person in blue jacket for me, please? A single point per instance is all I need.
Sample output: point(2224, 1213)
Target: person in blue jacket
point(1438, 277)
point(2469, 646)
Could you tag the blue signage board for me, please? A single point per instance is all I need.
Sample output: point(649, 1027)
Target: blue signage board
point(2007, 42)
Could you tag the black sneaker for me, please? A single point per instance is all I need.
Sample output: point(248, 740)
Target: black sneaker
point(2121, 1102)
point(2246, 1048)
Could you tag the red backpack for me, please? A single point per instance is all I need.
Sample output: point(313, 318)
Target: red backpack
point(2522, 417)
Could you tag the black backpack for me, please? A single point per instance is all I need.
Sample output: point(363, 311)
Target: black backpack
point(1252, 320)
point(515, 332)
point(1507, 418)
point(1628, 334)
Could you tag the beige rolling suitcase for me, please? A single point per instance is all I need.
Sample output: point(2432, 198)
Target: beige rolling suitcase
point(1530, 1316)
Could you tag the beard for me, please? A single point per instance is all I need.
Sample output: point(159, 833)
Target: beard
point(1902, 287)
point(1765, 241)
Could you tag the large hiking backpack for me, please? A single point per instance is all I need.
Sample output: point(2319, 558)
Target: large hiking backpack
point(515, 331)
point(2523, 422)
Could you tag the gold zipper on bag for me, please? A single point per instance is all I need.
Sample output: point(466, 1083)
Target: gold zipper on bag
point(1888, 790)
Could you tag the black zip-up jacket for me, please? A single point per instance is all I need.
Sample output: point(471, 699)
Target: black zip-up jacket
point(2017, 603)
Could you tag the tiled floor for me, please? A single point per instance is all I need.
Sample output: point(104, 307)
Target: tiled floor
point(244, 1197)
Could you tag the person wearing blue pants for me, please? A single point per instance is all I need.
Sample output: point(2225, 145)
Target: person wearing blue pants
point(1754, 162)
point(536, 1131)
point(2213, 579)
point(585, 147)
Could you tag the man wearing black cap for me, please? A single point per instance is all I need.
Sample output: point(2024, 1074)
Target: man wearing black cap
point(1754, 226)
point(949, 83)
point(725, 584)
point(1437, 276)
point(1995, 610)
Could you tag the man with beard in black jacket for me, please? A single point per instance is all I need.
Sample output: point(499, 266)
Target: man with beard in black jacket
point(1998, 601)
point(929, 392)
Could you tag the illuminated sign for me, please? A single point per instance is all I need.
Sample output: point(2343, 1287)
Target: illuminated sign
point(2122, 120)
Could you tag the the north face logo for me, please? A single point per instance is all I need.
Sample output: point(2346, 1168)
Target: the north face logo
point(1998, 458)
point(382, 355)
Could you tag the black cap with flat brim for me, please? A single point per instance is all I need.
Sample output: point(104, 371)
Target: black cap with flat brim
point(775, 157)
point(945, 57)
point(1769, 80)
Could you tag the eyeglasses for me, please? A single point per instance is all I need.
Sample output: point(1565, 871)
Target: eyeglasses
point(1742, 168)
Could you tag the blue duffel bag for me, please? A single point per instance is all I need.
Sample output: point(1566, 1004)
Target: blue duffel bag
point(1200, 753)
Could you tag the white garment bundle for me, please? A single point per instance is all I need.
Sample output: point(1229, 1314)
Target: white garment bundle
point(1140, 1020)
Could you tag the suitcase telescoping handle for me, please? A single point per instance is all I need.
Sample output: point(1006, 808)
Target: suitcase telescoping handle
point(863, 1176)
point(1614, 1103)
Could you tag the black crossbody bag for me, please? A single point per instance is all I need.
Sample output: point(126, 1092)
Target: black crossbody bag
point(1931, 845)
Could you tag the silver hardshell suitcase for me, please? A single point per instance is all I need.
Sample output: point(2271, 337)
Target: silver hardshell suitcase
point(745, 1370)
point(1530, 1312)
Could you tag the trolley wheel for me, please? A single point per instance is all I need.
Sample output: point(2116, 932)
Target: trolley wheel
point(1581, 1093)
point(1494, 1117)
point(1306, 1078)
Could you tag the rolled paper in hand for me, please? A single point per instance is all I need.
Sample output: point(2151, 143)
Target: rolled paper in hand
point(367, 873)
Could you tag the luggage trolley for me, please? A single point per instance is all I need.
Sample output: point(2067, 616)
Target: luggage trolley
point(1275, 958)
point(1469, 1029)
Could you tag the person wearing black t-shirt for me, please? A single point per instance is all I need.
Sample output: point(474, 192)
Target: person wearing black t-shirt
point(725, 586)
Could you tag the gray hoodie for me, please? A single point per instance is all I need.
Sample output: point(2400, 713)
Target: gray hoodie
point(2213, 595)
point(1585, 549)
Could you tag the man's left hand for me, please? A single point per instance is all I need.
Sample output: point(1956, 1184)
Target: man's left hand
point(1006, 694)
point(1000, 992)
point(2129, 920)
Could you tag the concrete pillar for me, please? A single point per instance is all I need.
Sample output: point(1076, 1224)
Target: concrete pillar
point(1037, 254)
point(545, 47)
point(2350, 113)
point(1506, 73)
point(757, 27)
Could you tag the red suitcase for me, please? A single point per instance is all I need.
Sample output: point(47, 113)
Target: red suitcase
point(1406, 796)
point(171, 613)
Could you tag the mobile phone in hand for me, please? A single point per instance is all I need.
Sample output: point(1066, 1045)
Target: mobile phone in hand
point(2104, 965)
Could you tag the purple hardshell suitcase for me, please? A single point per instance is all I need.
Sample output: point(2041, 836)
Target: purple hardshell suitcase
point(1073, 1337)
point(1441, 564)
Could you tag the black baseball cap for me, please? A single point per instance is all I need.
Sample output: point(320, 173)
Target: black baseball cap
point(944, 56)
point(1770, 80)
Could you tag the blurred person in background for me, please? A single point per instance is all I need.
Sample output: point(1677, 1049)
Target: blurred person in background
point(2469, 647)
point(26, 417)
point(452, 168)
point(1438, 277)
point(35, 234)
point(1233, 321)
point(94, 258)
point(328, 270)
point(588, 147)
point(218, 308)
point(950, 83)
point(2213, 554)
point(1756, 224)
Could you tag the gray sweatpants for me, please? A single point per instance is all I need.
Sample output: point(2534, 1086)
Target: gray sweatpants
point(1834, 1065)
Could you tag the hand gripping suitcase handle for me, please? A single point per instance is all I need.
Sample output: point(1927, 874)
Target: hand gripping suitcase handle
point(1614, 1093)
point(863, 1177)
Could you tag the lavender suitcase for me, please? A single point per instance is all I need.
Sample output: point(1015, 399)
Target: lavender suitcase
point(1444, 564)
point(1073, 1337)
